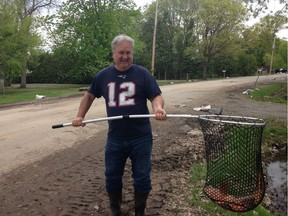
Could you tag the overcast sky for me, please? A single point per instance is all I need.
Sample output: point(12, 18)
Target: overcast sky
point(141, 3)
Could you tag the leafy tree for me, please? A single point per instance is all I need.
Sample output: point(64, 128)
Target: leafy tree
point(280, 57)
point(8, 61)
point(15, 40)
point(218, 25)
point(18, 38)
point(259, 7)
point(174, 30)
point(84, 31)
point(195, 39)
point(25, 10)
point(282, 51)
point(259, 40)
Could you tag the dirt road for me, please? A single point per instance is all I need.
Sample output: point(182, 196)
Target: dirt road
point(60, 172)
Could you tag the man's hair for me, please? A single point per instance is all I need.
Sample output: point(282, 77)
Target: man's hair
point(120, 39)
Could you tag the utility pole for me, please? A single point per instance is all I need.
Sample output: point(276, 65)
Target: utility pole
point(272, 54)
point(154, 40)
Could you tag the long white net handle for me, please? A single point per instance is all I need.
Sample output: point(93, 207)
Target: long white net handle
point(125, 117)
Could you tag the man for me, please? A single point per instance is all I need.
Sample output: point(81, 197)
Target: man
point(126, 88)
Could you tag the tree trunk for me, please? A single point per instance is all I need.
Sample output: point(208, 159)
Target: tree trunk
point(23, 80)
point(24, 74)
point(205, 69)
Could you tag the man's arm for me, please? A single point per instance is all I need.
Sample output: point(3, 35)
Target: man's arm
point(84, 106)
point(158, 107)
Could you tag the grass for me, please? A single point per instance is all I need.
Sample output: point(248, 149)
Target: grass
point(200, 200)
point(275, 93)
point(275, 132)
point(15, 94)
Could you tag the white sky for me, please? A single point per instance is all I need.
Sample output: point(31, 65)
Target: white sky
point(141, 3)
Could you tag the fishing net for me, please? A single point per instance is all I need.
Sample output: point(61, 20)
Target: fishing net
point(234, 179)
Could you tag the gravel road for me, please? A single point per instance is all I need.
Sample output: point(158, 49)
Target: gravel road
point(60, 172)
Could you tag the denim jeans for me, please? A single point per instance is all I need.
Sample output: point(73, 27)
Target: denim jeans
point(117, 152)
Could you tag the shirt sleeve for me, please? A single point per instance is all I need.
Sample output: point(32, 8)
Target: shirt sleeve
point(153, 88)
point(95, 86)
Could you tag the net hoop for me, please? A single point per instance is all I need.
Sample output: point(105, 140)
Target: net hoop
point(233, 120)
point(234, 179)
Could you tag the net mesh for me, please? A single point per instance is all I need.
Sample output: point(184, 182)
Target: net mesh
point(234, 179)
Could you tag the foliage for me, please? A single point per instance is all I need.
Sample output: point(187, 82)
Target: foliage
point(17, 39)
point(84, 32)
point(280, 58)
point(260, 7)
point(216, 30)
point(195, 39)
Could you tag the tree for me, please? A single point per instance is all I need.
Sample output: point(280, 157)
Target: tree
point(274, 24)
point(26, 9)
point(260, 40)
point(7, 29)
point(218, 25)
point(260, 7)
point(174, 30)
point(82, 33)
point(15, 42)
point(279, 60)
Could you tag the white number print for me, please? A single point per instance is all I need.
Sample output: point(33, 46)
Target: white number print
point(125, 97)
point(111, 94)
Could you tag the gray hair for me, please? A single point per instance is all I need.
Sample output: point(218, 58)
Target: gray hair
point(120, 39)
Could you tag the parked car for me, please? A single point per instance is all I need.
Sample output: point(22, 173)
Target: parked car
point(280, 70)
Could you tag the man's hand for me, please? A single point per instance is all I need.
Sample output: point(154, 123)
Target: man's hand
point(160, 114)
point(84, 106)
point(77, 122)
point(157, 105)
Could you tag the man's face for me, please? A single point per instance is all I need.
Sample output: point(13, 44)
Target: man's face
point(123, 56)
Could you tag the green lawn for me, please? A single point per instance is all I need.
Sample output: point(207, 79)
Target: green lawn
point(16, 94)
point(275, 93)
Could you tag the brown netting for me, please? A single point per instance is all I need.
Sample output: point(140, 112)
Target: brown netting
point(234, 178)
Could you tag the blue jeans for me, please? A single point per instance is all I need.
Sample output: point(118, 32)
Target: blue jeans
point(117, 152)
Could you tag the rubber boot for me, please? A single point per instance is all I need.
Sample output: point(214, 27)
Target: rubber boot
point(140, 203)
point(115, 198)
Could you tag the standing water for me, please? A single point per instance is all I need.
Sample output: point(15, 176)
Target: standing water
point(277, 186)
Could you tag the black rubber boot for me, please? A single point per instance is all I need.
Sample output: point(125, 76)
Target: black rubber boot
point(140, 203)
point(115, 198)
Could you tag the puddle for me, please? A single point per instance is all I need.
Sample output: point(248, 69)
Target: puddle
point(277, 186)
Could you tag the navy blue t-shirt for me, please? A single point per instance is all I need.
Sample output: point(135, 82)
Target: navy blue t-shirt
point(126, 93)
